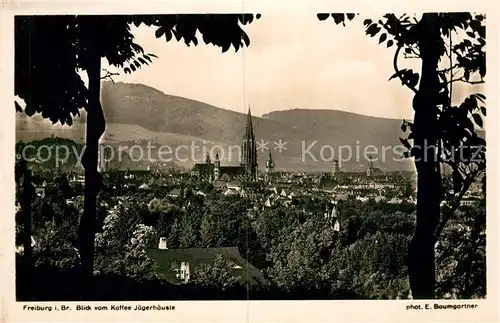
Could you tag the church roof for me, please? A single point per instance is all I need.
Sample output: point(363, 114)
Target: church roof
point(231, 170)
point(202, 167)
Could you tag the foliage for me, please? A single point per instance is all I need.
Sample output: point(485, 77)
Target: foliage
point(462, 255)
point(216, 275)
point(294, 245)
point(460, 145)
point(43, 153)
point(298, 253)
point(56, 48)
point(442, 133)
point(120, 247)
point(59, 47)
point(55, 246)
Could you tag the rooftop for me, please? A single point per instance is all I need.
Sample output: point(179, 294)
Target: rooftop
point(167, 258)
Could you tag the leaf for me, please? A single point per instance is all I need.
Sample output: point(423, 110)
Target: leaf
point(480, 96)
point(168, 35)
point(225, 47)
point(323, 16)
point(246, 19)
point(153, 55)
point(372, 30)
point(470, 103)
point(18, 107)
point(246, 40)
point(367, 22)
point(132, 67)
point(482, 69)
point(413, 79)
point(477, 119)
point(159, 32)
point(471, 34)
point(390, 42)
point(403, 71)
point(351, 16)
point(468, 125)
point(467, 75)
point(338, 18)
point(482, 31)
point(405, 143)
point(483, 111)
point(127, 70)
point(403, 126)
point(382, 38)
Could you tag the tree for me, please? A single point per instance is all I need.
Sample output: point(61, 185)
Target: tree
point(24, 178)
point(174, 234)
point(207, 231)
point(50, 51)
point(188, 232)
point(219, 274)
point(442, 133)
point(461, 254)
point(121, 246)
point(299, 258)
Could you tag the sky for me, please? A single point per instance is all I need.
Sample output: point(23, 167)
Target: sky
point(294, 61)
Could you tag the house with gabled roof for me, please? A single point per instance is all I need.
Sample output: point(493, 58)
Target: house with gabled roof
point(178, 265)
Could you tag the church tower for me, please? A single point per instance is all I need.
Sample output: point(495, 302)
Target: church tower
point(217, 167)
point(249, 150)
point(269, 165)
point(209, 174)
point(335, 167)
point(369, 171)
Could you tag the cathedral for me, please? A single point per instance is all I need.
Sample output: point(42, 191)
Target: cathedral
point(247, 170)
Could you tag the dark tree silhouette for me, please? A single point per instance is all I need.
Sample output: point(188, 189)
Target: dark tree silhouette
point(50, 51)
point(441, 132)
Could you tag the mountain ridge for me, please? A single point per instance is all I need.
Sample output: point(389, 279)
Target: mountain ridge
point(139, 112)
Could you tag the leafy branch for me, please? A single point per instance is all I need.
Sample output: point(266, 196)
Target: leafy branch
point(407, 77)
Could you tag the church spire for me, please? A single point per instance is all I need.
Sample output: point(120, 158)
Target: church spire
point(249, 151)
point(249, 127)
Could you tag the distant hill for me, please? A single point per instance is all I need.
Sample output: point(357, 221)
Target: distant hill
point(149, 108)
point(137, 112)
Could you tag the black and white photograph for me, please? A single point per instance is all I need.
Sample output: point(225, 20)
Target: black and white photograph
point(250, 156)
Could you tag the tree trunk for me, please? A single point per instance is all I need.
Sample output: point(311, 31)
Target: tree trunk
point(93, 180)
point(425, 130)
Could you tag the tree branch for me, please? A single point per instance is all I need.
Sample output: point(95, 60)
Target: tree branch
point(398, 72)
point(455, 205)
point(451, 70)
point(448, 69)
point(109, 75)
point(462, 79)
point(408, 56)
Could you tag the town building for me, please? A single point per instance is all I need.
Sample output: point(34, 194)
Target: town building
point(178, 265)
point(246, 171)
point(269, 166)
